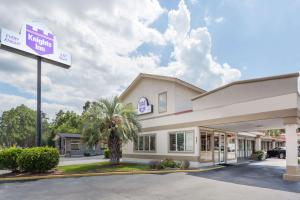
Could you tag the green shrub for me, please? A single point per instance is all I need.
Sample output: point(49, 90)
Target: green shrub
point(8, 158)
point(38, 159)
point(168, 163)
point(185, 164)
point(259, 155)
point(156, 165)
point(106, 153)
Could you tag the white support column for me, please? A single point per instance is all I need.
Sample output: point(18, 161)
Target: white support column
point(292, 167)
point(197, 142)
point(273, 144)
point(258, 143)
point(236, 146)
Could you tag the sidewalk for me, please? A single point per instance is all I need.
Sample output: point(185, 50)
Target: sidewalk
point(64, 161)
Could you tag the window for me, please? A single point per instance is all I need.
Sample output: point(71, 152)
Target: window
point(145, 143)
point(231, 146)
point(75, 145)
point(230, 143)
point(162, 102)
point(182, 141)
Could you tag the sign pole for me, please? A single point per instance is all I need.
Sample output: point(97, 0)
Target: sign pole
point(38, 108)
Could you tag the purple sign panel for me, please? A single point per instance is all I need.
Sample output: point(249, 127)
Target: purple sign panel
point(143, 106)
point(38, 41)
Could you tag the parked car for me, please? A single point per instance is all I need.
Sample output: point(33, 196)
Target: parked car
point(279, 152)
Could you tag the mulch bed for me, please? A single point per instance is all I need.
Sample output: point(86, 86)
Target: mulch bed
point(26, 174)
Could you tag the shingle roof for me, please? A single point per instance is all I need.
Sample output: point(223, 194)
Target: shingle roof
point(68, 135)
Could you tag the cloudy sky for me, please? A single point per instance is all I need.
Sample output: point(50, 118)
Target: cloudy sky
point(207, 43)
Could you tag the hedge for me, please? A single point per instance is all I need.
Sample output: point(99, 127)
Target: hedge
point(8, 158)
point(38, 159)
point(168, 163)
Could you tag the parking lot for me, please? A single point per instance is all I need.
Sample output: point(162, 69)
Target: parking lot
point(261, 180)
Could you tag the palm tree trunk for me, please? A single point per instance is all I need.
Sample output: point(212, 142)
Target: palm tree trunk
point(114, 148)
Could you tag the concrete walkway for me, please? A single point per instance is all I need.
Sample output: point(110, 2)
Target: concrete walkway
point(63, 161)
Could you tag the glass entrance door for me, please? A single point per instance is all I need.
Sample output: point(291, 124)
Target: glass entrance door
point(219, 147)
point(216, 147)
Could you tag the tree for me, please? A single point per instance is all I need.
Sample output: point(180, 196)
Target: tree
point(66, 122)
point(274, 132)
point(111, 120)
point(17, 126)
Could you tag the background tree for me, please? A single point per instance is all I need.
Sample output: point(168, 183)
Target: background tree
point(274, 132)
point(17, 126)
point(66, 122)
point(111, 120)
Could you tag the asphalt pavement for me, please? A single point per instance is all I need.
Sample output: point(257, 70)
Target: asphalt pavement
point(242, 182)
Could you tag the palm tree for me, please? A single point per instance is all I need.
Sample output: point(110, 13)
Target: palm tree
point(111, 120)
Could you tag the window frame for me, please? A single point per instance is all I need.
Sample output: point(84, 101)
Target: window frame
point(184, 142)
point(149, 144)
point(158, 107)
point(76, 142)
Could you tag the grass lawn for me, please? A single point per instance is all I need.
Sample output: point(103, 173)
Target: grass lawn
point(102, 167)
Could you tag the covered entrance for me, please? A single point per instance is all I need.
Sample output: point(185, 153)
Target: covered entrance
point(255, 105)
point(217, 147)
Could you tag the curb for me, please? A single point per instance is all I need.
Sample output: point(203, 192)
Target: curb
point(28, 178)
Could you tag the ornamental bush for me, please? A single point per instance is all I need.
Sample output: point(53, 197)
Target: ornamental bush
point(38, 159)
point(168, 163)
point(8, 158)
point(259, 155)
point(106, 153)
point(156, 165)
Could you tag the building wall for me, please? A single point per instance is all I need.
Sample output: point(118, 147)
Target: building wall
point(178, 97)
point(183, 98)
point(247, 92)
point(162, 146)
point(150, 89)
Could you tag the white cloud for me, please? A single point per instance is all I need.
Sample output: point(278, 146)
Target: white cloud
point(101, 35)
point(194, 2)
point(209, 20)
point(219, 20)
point(192, 52)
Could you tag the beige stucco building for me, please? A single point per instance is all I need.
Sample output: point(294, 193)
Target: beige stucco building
point(184, 122)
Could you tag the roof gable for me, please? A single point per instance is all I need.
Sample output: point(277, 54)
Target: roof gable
point(142, 76)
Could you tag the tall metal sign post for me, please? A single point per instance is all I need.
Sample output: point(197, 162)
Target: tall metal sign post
point(38, 42)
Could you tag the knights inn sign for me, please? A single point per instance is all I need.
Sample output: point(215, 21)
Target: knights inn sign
point(144, 107)
point(35, 41)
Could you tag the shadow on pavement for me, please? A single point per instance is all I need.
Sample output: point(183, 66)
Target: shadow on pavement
point(251, 175)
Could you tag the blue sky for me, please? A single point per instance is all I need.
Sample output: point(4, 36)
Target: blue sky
point(205, 42)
